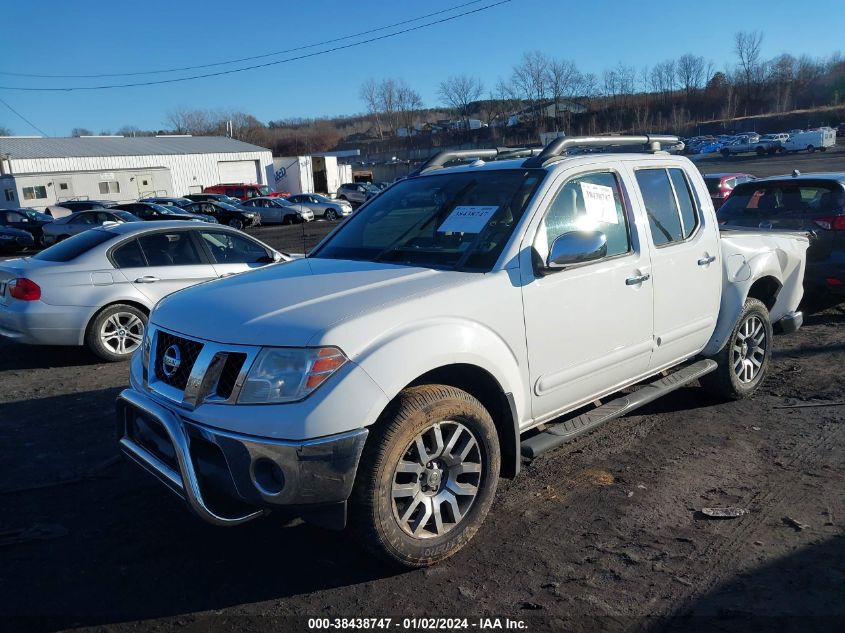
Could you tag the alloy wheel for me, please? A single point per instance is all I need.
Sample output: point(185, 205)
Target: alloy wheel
point(749, 349)
point(122, 333)
point(437, 480)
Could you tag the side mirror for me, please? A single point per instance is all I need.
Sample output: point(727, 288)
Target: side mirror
point(576, 247)
point(278, 257)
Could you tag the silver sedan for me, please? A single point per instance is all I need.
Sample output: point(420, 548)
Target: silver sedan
point(279, 211)
point(97, 288)
point(322, 206)
point(80, 221)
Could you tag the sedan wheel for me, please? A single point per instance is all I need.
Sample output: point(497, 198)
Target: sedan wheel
point(117, 332)
point(236, 223)
point(331, 214)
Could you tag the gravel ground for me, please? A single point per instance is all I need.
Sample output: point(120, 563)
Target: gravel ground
point(605, 533)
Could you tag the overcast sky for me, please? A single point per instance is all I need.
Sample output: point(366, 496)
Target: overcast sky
point(49, 37)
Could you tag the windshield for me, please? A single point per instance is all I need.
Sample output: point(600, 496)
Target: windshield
point(75, 246)
point(457, 221)
point(126, 216)
point(265, 191)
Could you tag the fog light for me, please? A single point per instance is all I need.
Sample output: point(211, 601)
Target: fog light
point(268, 477)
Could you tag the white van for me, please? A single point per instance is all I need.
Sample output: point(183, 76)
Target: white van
point(811, 140)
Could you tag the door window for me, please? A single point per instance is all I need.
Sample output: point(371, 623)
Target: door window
point(233, 249)
point(83, 218)
point(129, 255)
point(689, 213)
point(661, 207)
point(169, 249)
point(592, 202)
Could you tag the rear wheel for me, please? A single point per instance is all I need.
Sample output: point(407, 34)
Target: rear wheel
point(760, 151)
point(725, 153)
point(427, 476)
point(116, 332)
point(811, 148)
point(744, 360)
point(822, 149)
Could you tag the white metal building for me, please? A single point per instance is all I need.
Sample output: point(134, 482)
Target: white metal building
point(37, 172)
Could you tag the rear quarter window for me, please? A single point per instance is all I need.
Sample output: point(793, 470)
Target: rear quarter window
point(73, 247)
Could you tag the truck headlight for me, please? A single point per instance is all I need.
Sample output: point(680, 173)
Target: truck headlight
point(287, 374)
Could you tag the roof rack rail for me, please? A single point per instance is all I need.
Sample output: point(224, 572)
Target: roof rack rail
point(558, 147)
point(439, 160)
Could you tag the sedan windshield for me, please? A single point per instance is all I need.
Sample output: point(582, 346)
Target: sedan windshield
point(265, 191)
point(461, 220)
point(127, 217)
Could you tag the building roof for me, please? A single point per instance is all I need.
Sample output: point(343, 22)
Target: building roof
point(33, 147)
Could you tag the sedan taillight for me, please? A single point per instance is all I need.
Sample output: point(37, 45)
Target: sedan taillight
point(835, 223)
point(24, 289)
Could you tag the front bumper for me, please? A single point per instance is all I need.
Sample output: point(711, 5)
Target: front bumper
point(227, 478)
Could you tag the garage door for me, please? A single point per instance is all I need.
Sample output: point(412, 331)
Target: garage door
point(238, 171)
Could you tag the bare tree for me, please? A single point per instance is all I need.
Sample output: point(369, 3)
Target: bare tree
point(530, 79)
point(459, 92)
point(183, 120)
point(369, 94)
point(564, 80)
point(408, 104)
point(691, 71)
point(387, 94)
point(81, 131)
point(747, 46)
point(4, 131)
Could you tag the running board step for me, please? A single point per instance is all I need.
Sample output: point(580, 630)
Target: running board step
point(567, 430)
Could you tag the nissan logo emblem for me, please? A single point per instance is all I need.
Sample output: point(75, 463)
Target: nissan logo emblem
point(171, 360)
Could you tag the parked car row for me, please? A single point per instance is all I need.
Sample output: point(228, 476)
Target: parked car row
point(751, 142)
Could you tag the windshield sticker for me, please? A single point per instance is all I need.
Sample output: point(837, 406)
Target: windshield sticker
point(467, 219)
point(599, 203)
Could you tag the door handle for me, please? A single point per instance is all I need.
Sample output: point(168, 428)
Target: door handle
point(704, 261)
point(149, 279)
point(633, 281)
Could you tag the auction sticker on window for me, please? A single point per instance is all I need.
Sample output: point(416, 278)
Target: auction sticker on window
point(599, 203)
point(467, 219)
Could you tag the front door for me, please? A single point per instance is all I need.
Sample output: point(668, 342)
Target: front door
point(160, 263)
point(686, 265)
point(588, 327)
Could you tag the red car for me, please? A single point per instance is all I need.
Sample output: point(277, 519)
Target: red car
point(720, 186)
point(244, 191)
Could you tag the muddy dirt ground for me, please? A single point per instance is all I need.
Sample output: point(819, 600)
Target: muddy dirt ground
point(605, 533)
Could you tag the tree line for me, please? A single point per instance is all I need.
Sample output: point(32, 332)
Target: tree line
point(544, 93)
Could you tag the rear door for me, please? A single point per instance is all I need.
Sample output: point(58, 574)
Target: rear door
point(685, 260)
point(162, 262)
point(231, 253)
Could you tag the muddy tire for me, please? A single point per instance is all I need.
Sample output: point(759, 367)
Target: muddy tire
point(745, 359)
point(427, 476)
point(116, 332)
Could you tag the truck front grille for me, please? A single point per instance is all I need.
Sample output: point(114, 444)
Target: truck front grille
point(229, 375)
point(170, 347)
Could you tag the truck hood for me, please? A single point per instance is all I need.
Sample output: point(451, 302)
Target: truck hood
point(290, 304)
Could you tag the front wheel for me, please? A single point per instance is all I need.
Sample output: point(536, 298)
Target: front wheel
point(725, 153)
point(236, 223)
point(427, 476)
point(331, 214)
point(744, 360)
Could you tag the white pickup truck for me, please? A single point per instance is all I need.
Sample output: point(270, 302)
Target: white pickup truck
point(446, 331)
